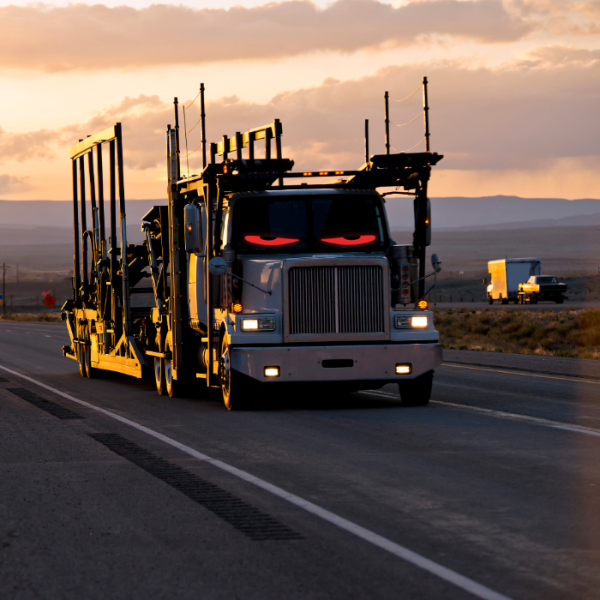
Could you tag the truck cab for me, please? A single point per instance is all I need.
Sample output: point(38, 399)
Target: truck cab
point(309, 293)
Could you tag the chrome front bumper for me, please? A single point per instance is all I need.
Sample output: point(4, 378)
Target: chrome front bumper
point(305, 363)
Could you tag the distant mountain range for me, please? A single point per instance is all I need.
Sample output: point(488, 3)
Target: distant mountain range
point(495, 212)
point(491, 212)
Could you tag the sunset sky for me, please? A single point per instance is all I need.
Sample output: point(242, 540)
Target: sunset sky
point(514, 86)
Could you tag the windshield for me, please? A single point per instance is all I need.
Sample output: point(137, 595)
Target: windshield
point(546, 280)
point(313, 223)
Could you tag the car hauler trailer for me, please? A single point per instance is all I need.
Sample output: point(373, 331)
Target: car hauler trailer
point(259, 275)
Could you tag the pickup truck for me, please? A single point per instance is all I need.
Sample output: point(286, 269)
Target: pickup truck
point(542, 287)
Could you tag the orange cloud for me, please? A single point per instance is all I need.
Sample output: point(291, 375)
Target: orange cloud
point(524, 115)
point(92, 37)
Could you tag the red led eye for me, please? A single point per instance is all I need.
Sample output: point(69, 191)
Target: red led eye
point(260, 240)
point(351, 240)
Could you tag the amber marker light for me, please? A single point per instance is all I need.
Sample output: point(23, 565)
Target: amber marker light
point(418, 322)
point(236, 307)
point(271, 371)
point(190, 228)
point(423, 304)
point(403, 369)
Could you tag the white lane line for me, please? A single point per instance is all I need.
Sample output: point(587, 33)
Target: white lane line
point(524, 374)
point(504, 415)
point(460, 581)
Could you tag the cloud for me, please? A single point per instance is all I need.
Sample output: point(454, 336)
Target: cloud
point(9, 184)
point(27, 146)
point(522, 115)
point(84, 37)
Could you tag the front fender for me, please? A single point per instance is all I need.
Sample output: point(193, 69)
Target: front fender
point(227, 330)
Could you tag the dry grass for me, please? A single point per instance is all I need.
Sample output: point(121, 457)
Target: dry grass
point(572, 333)
point(49, 317)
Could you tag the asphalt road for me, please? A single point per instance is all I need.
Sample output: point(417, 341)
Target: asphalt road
point(492, 491)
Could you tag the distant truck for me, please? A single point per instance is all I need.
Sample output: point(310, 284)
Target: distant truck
point(542, 287)
point(504, 277)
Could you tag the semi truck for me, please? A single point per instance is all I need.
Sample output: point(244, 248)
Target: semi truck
point(257, 275)
point(504, 277)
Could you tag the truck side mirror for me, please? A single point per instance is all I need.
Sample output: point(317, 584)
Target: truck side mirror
point(193, 229)
point(436, 263)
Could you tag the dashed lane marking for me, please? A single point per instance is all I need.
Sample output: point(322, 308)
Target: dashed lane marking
point(503, 415)
point(476, 589)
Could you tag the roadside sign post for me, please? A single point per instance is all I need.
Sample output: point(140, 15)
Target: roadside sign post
point(3, 289)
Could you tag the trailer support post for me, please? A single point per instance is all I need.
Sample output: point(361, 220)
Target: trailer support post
point(84, 275)
point(202, 126)
point(387, 122)
point(426, 113)
point(76, 265)
point(124, 266)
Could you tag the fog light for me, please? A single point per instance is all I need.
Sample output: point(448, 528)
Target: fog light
point(403, 369)
point(271, 371)
point(250, 324)
point(419, 322)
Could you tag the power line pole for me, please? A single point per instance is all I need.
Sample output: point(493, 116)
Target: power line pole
point(3, 289)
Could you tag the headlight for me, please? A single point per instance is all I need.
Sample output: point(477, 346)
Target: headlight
point(260, 324)
point(419, 322)
point(408, 321)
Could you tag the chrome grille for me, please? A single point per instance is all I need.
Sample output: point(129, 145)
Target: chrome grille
point(344, 299)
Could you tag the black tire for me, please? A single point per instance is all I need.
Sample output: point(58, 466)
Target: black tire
point(560, 300)
point(232, 382)
point(89, 370)
point(173, 386)
point(504, 300)
point(81, 358)
point(159, 375)
point(490, 300)
point(416, 392)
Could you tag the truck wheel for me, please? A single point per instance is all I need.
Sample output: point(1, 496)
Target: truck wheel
point(233, 395)
point(159, 375)
point(416, 392)
point(89, 371)
point(490, 300)
point(81, 358)
point(560, 300)
point(504, 300)
point(172, 386)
